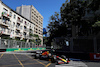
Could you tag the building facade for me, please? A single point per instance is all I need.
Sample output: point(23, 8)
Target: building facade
point(34, 16)
point(14, 25)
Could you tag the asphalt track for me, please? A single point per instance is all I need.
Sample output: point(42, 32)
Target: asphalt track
point(12, 59)
point(19, 60)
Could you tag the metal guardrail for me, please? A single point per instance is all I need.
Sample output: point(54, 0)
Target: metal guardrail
point(5, 43)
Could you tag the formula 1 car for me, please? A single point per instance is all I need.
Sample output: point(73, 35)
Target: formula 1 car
point(62, 60)
point(47, 55)
point(42, 54)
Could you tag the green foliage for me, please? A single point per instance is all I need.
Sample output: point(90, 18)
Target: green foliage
point(76, 13)
point(56, 28)
point(5, 37)
point(97, 24)
point(35, 35)
point(80, 14)
point(37, 40)
point(23, 40)
point(30, 34)
point(94, 5)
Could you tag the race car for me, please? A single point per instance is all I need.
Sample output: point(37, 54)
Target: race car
point(45, 55)
point(62, 60)
point(48, 55)
point(42, 54)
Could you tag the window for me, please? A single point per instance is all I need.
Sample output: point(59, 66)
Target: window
point(3, 29)
point(22, 21)
point(10, 14)
point(14, 16)
point(25, 22)
point(24, 27)
point(4, 20)
point(32, 12)
point(37, 16)
point(21, 27)
point(13, 23)
point(12, 31)
point(32, 15)
point(24, 33)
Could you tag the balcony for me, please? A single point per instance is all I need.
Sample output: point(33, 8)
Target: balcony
point(18, 35)
point(11, 27)
point(19, 21)
point(31, 37)
point(25, 24)
point(18, 27)
point(26, 36)
point(6, 32)
point(6, 15)
point(4, 23)
point(30, 30)
point(26, 30)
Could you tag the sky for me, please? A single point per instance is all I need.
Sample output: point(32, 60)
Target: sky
point(46, 8)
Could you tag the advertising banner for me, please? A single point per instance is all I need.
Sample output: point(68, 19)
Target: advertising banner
point(95, 56)
point(23, 49)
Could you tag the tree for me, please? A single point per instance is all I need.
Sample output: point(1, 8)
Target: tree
point(56, 28)
point(37, 40)
point(94, 5)
point(76, 14)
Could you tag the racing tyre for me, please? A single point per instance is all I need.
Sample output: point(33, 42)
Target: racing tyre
point(53, 60)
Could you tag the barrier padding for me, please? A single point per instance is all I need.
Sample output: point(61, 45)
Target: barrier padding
point(23, 49)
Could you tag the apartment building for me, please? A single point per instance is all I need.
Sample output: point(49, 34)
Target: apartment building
point(14, 25)
point(31, 13)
